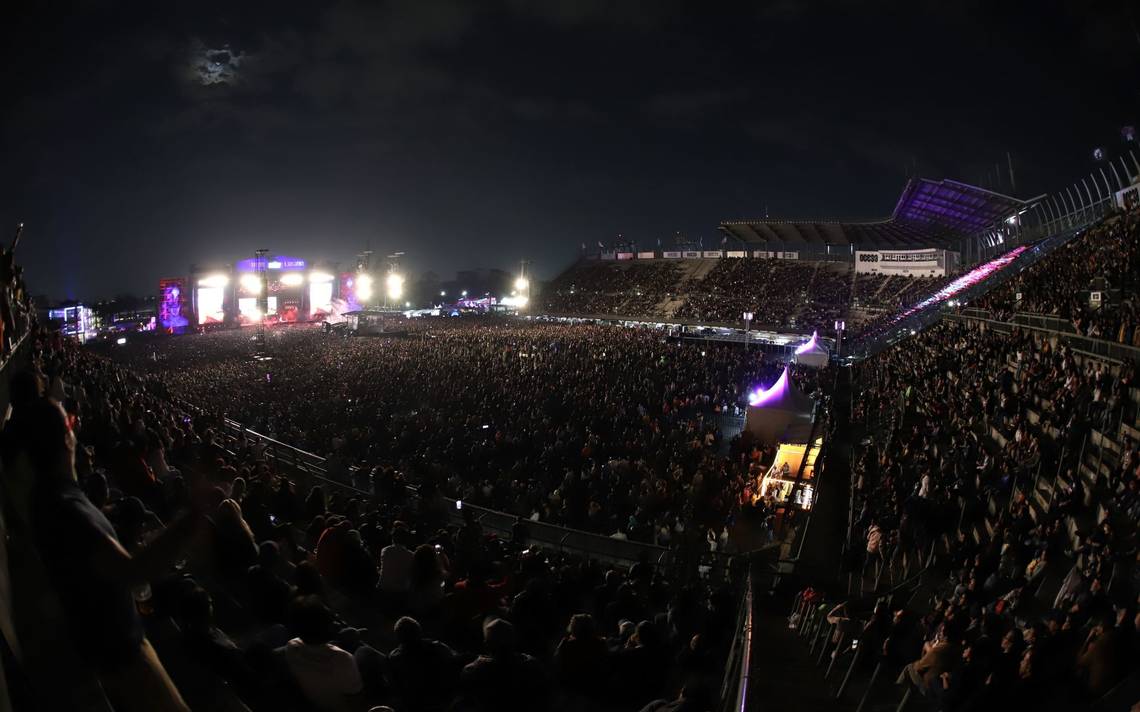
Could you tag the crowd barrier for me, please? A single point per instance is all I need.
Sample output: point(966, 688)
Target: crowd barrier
point(1056, 327)
point(312, 468)
point(714, 566)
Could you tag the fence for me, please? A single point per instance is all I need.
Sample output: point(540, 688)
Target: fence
point(1058, 328)
point(680, 560)
point(872, 343)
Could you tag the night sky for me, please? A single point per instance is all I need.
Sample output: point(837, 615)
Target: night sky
point(138, 138)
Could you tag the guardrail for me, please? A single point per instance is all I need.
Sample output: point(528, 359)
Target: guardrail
point(868, 345)
point(737, 672)
point(1060, 328)
point(682, 561)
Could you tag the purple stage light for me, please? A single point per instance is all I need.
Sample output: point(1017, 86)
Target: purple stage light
point(808, 345)
point(964, 282)
point(773, 392)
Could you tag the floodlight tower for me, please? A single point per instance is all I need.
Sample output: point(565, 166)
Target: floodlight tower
point(261, 269)
point(394, 281)
point(522, 285)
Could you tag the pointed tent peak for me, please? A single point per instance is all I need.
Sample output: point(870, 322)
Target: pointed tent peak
point(809, 345)
point(781, 395)
point(772, 393)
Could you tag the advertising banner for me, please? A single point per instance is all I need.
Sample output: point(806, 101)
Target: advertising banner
point(736, 253)
point(691, 254)
point(645, 255)
point(908, 263)
point(671, 255)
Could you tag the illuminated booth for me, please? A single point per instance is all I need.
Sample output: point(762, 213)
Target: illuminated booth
point(774, 412)
point(811, 353)
point(794, 460)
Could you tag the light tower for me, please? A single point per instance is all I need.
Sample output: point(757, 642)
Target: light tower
point(522, 285)
point(261, 270)
point(394, 281)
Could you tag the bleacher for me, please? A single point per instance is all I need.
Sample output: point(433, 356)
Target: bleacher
point(1012, 457)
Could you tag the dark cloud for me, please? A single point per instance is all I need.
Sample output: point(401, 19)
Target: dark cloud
point(153, 135)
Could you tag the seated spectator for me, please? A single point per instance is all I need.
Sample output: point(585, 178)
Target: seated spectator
point(636, 677)
point(422, 672)
point(502, 679)
point(270, 592)
point(694, 697)
point(235, 548)
point(581, 657)
point(939, 655)
point(326, 673)
point(396, 567)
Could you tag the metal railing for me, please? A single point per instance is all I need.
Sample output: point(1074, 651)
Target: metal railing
point(1058, 328)
point(737, 672)
point(683, 561)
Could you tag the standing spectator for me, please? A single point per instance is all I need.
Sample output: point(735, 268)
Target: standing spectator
point(94, 575)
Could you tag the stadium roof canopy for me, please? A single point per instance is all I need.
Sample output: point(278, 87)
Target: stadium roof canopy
point(929, 213)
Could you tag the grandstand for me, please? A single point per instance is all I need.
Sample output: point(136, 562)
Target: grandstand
point(799, 276)
point(928, 214)
point(566, 520)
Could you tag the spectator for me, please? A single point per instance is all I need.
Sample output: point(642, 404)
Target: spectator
point(502, 679)
point(326, 674)
point(92, 572)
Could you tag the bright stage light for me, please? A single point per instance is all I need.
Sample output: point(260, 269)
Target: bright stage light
point(251, 283)
point(395, 285)
point(292, 279)
point(121, 340)
point(363, 287)
point(214, 280)
point(521, 284)
point(320, 277)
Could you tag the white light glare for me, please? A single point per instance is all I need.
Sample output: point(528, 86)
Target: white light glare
point(251, 283)
point(363, 287)
point(395, 285)
point(521, 283)
point(320, 277)
point(292, 279)
point(214, 280)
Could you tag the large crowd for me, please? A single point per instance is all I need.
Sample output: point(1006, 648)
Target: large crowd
point(161, 565)
point(627, 288)
point(781, 294)
point(1105, 260)
point(974, 456)
point(613, 431)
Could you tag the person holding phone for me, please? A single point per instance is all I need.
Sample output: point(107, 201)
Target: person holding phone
point(92, 573)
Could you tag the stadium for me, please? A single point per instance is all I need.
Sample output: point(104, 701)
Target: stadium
point(733, 458)
point(838, 465)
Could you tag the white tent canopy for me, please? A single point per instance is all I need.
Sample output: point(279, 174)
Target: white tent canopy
point(811, 353)
point(780, 410)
